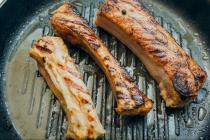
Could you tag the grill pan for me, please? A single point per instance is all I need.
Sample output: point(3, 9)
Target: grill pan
point(28, 109)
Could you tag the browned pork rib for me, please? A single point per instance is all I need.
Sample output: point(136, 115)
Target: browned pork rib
point(69, 25)
point(60, 72)
point(178, 75)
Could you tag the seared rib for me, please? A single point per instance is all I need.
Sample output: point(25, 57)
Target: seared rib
point(178, 75)
point(69, 25)
point(60, 72)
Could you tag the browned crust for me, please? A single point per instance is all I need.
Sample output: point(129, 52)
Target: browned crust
point(186, 76)
point(69, 25)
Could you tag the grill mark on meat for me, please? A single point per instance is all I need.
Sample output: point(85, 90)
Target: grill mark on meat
point(81, 23)
point(126, 76)
point(155, 37)
point(44, 59)
point(180, 65)
point(75, 74)
point(63, 67)
point(84, 101)
point(45, 41)
point(160, 39)
point(111, 69)
point(90, 132)
point(115, 1)
point(50, 65)
point(74, 85)
point(86, 32)
point(71, 26)
point(94, 43)
point(91, 118)
point(158, 53)
point(43, 49)
point(105, 9)
point(138, 99)
point(121, 95)
point(106, 58)
point(121, 84)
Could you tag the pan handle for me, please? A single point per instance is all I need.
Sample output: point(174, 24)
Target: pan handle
point(2, 2)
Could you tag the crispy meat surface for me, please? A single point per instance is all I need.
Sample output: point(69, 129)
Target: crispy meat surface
point(70, 26)
point(59, 70)
point(178, 75)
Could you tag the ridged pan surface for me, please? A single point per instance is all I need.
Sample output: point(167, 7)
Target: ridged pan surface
point(36, 113)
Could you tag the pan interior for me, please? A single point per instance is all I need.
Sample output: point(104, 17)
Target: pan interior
point(36, 113)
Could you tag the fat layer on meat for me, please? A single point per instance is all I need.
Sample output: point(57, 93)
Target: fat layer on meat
point(178, 75)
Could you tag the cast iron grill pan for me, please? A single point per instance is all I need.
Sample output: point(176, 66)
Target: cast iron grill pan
point(36, 113)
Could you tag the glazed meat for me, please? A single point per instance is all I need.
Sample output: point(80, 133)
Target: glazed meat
point(178, 75)
point(69, 25)
point(60, 72)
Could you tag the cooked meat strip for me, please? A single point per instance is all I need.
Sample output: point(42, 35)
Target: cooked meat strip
point(59, 70)
point(69, 25)
point(178, 75)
